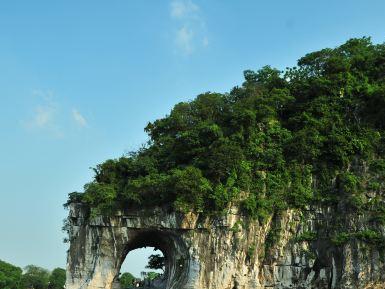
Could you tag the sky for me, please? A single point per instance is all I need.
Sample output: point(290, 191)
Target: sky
point(79, 80)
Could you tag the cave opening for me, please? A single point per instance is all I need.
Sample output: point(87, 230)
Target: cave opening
point(141, 267)
point(159, 258)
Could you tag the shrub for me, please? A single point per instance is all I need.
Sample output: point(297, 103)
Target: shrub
point(268, 139)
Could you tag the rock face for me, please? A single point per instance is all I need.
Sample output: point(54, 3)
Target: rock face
point(291, 250)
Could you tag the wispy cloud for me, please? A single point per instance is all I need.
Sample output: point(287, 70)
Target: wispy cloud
point(44, 115)
point(205, 41)
point(183, 39)
point(78, 118)
point(48, 117)
point(181, 9)
point(190, 33)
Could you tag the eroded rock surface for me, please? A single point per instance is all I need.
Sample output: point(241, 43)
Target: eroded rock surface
point(291, 250)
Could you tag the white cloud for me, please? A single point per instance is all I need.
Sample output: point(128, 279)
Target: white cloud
point(45, 112)
point(205, 41)
point(44, 115)
point(48, 117)
point(181, 9)
point(183, 40)
point(190, 33)
point(78, 118)
point(46, 95)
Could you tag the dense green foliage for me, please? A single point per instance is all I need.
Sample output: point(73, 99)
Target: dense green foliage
point(35, 277)
point(12, 277)
point(57, 278)
point(156, 262)
point(368, 236)
point(127, 280)
point(307, 236)
point(152, 275)
point(281, 139)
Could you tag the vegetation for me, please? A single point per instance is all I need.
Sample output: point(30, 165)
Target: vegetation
point(35, 277)
point(283, 139)
point(152, 275)
point(156, 262)
point(369, 236)
point(127, 280)
point(307, 236)
point(251, 251)
point(12, 277)
point(57, 278)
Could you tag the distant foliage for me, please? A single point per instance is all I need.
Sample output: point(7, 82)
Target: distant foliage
point(57, 279)
point(35, 277)
point(127, 280)
point(156, 262)
point(152, 275)
point(280, 140)
point(12, 277)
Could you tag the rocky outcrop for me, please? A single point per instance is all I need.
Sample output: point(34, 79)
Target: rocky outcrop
point(291, 250)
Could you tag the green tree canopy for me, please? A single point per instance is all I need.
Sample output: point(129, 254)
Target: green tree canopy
point(10, 276)
point(156, 262)
point(261, 145)
point(57, 278)
point(35, 277)
point(152, 275)
point(126, 280)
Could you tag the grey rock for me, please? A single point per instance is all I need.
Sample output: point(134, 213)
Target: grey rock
point(231, 252)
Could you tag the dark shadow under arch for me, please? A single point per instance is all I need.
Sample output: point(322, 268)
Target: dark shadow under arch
point(174, 250)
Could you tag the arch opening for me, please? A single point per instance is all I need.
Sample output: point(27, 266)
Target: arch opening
point(171, 259)
point(141, 267)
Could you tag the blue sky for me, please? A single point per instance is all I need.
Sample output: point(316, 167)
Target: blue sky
point(79, 80)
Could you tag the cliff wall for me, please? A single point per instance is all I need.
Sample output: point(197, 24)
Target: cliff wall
point(318, 248)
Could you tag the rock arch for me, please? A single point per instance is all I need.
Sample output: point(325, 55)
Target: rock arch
point(227, 252)
point(99, 246)
point(173, 248)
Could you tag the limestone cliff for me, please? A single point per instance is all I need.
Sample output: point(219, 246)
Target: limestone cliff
point(291, 250)
point(291, 164)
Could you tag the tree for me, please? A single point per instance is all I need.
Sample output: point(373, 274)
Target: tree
point(156, 261)
point(126, 280)
point(10, 276)
point(152, 275)
point(35, 277)
point(281, 139)
point(57, 279)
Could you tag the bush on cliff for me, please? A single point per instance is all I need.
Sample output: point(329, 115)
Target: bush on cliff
point(281, 139)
